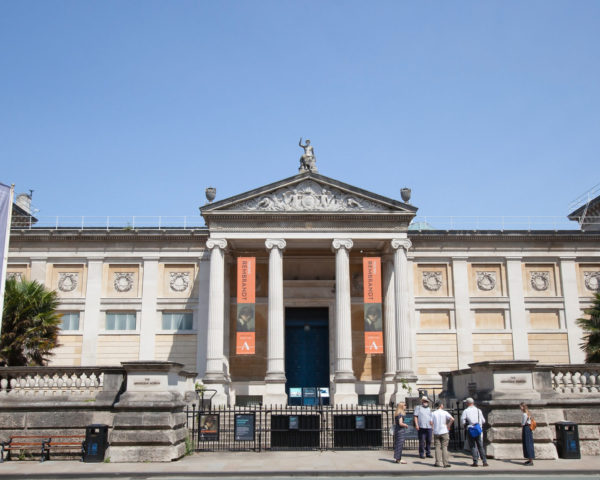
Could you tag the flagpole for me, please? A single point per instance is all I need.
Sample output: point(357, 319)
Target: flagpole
point(5, 256)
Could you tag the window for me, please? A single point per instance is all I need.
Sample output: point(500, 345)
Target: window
point(120, 321)
point(69, 321)
point(177, 321)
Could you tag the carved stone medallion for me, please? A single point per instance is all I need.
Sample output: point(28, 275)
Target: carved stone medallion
point(540, 281)
point(486, 281)
point(123, 281)
point(18, 276)
point(309, 196)
point(592, 281)
point(179, 281)
point(432, 281)
point(67, 282)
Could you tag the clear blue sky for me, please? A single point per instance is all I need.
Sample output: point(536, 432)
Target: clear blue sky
point(135, 107)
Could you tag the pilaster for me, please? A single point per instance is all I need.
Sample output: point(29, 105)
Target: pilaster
point(568, 274)
point(149, 320)
point(463, 315)
point(91, 313)
point(518, 316)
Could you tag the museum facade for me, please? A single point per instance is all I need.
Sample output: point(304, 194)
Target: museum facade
point(311, 282)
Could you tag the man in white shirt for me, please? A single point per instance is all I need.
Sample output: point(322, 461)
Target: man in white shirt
point(441, 421)
point(423, 426)
point(471, 417)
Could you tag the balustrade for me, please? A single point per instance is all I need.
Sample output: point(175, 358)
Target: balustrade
point(583, 379)
point(49, 381)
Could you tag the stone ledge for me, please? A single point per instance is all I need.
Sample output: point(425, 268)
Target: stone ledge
point(511, 451)
point(147, 437)
point(506, 434)
point(146, 454)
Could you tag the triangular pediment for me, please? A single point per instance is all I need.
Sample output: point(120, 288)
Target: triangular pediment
point(308, 193)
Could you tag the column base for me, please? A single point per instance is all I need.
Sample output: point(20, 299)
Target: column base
point(275, 395)
point(220, 388)
point(388, 388)
point(344, 393)
point(405, 386)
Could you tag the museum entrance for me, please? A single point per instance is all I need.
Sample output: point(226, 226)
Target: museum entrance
point(307, 355)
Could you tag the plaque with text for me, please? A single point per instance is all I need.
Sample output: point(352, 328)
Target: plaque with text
point(244, 427)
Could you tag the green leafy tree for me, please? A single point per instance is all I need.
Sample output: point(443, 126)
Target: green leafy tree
point(30, 324)
point(591, 327)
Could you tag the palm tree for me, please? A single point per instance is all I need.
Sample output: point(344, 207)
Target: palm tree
point(591, 327)
point(30, 324)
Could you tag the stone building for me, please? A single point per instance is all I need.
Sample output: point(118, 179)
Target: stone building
point(449, 297)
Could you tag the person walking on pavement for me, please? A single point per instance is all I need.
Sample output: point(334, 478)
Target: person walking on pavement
point(441, 421)
point(527, 435)
point(473, 420)
point(399, 431)
point(423, 426)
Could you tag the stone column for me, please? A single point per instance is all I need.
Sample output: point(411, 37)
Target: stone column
point(215, 376)
point(91, 312)
point(275, 379)
point(344, 388)
point(389, 331)
point(518, 316)
point(202, 315)
point(148, 320)
point(462, 311)
point(568, 276)
point(405, 375)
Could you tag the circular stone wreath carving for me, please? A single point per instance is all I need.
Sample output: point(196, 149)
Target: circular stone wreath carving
point(18, 276)
point(123, 281)
point(486, 280)
point(67, 282)
point(540, 281)
point(592, 281)
point(432, 281)
point(179, 281)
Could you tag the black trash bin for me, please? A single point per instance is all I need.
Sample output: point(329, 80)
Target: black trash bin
point(567, 440)
point(96, 443)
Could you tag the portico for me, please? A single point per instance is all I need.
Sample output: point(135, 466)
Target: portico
point(309, 234)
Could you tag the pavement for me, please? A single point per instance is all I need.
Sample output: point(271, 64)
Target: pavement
point(374, 463)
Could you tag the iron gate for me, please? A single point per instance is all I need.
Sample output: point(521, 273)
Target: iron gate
point(256, 428)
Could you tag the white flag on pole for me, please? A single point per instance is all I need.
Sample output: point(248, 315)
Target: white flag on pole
point(6, 200)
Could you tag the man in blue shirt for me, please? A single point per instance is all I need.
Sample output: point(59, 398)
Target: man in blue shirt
point(423, 418)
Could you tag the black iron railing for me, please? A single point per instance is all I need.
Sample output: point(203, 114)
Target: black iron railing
point(256, 428)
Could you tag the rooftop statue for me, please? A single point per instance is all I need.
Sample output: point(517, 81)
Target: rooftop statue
point(308, 162)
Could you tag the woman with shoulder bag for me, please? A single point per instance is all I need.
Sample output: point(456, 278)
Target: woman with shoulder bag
point(527, 425)
point(399, 431)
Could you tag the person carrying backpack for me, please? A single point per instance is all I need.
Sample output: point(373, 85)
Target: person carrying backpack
point(472, 419)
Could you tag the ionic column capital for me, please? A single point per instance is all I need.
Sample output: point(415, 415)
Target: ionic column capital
point(342, 243)
point(404, 243)
point(216, 243)
point(272, 243)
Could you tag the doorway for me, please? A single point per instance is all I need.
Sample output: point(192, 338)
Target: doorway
point(306, 347)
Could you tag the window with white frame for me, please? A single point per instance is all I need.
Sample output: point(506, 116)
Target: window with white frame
point(177, 321)
point(120, 321)
point(69, 321)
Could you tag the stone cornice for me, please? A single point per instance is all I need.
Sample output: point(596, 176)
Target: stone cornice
point(95, 234)
point(502, 236)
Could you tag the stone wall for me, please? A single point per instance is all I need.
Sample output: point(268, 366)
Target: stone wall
point(141, 402)
point(553, 393)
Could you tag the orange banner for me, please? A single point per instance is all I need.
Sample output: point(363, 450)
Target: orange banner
point(245, 343)
point(246, 267)
point(246, 313)
point(374, 342)
point(372, 279)
point(373, 314)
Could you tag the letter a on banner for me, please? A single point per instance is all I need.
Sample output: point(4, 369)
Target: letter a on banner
point(245, 324)
point(372, 304)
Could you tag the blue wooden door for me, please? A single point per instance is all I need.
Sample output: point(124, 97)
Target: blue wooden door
point(306, 347)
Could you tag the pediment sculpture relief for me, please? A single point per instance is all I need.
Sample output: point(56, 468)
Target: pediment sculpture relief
point(309, 196)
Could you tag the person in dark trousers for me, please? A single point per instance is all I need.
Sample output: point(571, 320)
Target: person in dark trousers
point(527, 435)
point(471, 417)
point(423, 425)
point(399, 432)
